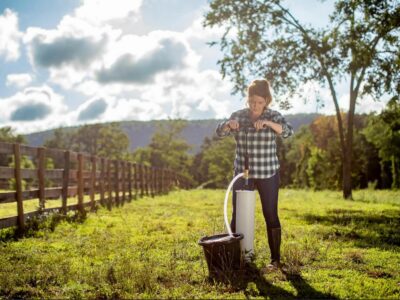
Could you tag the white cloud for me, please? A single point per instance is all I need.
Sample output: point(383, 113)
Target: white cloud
point(109, 109)
point(35, 108)
point(134, 109)
point(92, 110)
point(18, 80)
point(168, 55)
point(193, 94)
point(199, 38)
point(71, 51)
point(73, 43)
point(198, 31)
point(185, 94)
point(132, 63)
point(9, 35)
point(314, 98)
point(100, 11)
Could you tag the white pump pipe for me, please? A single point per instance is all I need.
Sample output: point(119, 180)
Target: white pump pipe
point(228, 226)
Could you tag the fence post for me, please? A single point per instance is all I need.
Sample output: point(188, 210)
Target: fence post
point(109, 185)
point(67, 155)
point(166, 181)
point(141, 181)
point(123, 181)
point(162, 180)
point(41, 179)
point(18, 187)
point(169, 180)
point(146, 178)
point(155, 180)
point(152, 180)
point(80, 182)
point(136, 178)
point(116, 181)
point(93, 182)
point(102, 179)
point(130, 181)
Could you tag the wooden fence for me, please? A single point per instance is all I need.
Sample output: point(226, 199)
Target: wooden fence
point(108, 182)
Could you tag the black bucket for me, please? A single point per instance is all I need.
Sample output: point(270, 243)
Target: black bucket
point(223, 254)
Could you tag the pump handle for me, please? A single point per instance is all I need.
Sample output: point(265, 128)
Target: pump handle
point(246, 129)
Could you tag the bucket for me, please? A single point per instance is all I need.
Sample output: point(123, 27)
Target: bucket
point(222, 254)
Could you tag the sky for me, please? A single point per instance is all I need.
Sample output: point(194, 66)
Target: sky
point(72, 62)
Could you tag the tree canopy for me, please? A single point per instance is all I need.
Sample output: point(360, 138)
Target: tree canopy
point(383, 131)
point(167, 149)
point(107, 140)
point(8, 135)
point(360, 46)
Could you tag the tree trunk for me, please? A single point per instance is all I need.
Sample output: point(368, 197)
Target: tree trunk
point(347, 188)
point(395, 173)
point(348, 153)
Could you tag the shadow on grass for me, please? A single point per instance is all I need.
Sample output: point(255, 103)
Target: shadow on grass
point(378, 229)
point(35, 226)
point(251, 281)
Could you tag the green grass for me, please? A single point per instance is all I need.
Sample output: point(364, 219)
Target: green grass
point(148, 248)
point(10, 209)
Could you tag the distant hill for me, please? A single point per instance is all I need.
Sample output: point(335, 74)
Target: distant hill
point(141, 132)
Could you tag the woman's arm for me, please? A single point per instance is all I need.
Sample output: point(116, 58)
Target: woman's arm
point(221, 130)
point(260, 124)
point(277, 124)
point(224, 128)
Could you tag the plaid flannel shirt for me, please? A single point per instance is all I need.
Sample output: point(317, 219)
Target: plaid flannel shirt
point(261, 144)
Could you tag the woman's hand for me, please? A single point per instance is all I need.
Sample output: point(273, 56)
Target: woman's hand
point(232, 125)
point(260, 124)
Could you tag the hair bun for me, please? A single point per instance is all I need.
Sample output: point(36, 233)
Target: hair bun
point(260, 87)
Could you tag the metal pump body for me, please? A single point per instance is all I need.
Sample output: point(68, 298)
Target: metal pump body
point(245, 209)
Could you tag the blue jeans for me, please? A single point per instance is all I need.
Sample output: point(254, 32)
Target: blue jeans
point(268, 189)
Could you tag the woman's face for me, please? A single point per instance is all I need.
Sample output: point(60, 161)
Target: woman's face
point(257, 105)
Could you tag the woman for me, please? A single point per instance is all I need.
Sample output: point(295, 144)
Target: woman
point(255, 130)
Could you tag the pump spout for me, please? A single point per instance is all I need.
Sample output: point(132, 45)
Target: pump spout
point(246, 177)
point(246, 169)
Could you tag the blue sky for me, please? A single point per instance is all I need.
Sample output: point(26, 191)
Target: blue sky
point(71, 62)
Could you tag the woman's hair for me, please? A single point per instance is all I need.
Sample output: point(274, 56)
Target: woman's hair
point(259, 87)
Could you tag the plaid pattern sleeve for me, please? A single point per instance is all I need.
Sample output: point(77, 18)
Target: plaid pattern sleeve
point(260, 145)
point(220, 128)
point(276, 117)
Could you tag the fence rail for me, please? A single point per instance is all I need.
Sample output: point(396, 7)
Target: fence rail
point(75, 174)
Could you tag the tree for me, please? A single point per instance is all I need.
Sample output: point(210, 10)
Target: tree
point(383, 131)
point(313, 156)
point(167, 149)
point(297, 156)
point(361, 45)
point(61, 139)
point(8, 135)
point(213, 167)
point(106, 140)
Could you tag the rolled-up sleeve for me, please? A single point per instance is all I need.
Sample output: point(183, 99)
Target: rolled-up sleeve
point(220, 129)
point(287, 129)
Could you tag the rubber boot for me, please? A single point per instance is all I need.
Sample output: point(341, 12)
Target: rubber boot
point(274, 241)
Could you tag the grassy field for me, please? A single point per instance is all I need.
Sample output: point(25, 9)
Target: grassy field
point(148, 248)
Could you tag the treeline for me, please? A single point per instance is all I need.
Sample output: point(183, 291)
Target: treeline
point(309, 159)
